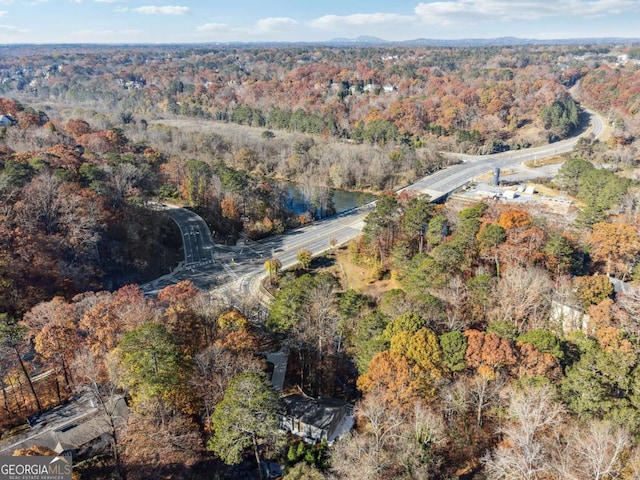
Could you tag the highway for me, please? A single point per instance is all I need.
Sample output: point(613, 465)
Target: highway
point(241, 267)
point(196, 236)
point(238, 270)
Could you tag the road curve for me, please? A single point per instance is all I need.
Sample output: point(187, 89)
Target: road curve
point(198, 250)
point(240, 268)
point(196, 236)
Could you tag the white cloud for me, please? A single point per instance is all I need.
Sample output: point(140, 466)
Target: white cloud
point(468, 12)
point(164, 10)
point(337, 22)
point(213, 27)
point(3, 13)
point(104, 1)
point(429, 17)
point(275, 24)
point(9, 29)
point(603, 7)
point(262, 28)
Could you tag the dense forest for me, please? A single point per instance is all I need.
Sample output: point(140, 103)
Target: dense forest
point(482, 98)
point(483, 340)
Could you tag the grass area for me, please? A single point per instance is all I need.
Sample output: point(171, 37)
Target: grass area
point(339, 264)
point(544, 190)
point(544, 162)
point(225, 129)
point(358, 278)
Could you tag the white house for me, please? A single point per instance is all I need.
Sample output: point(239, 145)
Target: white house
point(371, 87)
point(570, 318)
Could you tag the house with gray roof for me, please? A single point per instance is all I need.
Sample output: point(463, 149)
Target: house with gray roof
point(7, 121)
point(316, 419)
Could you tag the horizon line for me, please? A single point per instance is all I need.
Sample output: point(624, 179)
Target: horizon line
point(362, 40)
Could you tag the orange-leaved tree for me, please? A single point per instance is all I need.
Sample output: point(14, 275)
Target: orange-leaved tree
point(616, 245)
point(392, 375)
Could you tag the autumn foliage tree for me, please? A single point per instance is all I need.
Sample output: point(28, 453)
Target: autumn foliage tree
point(489, 350)
point(392, 375)
point(180, 316)
point(112, 316)
point(304, 257)
point(422, 349)
point(273, 266)
point(475, 334)
point(514, 220)
point(593, 289)
point(616, 246)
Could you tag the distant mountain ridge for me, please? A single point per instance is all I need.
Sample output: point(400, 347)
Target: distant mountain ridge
point(361, 41)
point(470, 42)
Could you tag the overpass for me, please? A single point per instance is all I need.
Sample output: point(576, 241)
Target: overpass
point(242, 266)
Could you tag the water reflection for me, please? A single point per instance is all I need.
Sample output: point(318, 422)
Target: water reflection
point(322, 202)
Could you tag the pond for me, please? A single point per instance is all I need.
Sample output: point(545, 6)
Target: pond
point(340, 200)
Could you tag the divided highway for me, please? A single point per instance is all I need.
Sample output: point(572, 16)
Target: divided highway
point(196, 236)
point(241, 267)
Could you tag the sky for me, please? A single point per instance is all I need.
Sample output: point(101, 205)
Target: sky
point(206, 21)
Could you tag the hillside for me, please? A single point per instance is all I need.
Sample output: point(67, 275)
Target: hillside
point(456, 340)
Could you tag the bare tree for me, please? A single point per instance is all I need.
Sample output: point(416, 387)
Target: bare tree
point(123, 178)
point(382, 420)
point(208, 308)
point(595, 451)
point(629, 300)
point(421, 437)
point(83, 219)
point(630, 204)
point(392, 442)
point(483, 390)
point(101, 381)
point(633, 463)
point(215, 366)
point(355, 458)
point(322, 324)
point(371, 453)
point(525, 452)
point(39, 205)
point(456, 400)
point(523, 296)
point(175, 448)
point(456, 296)
point(315, 336)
